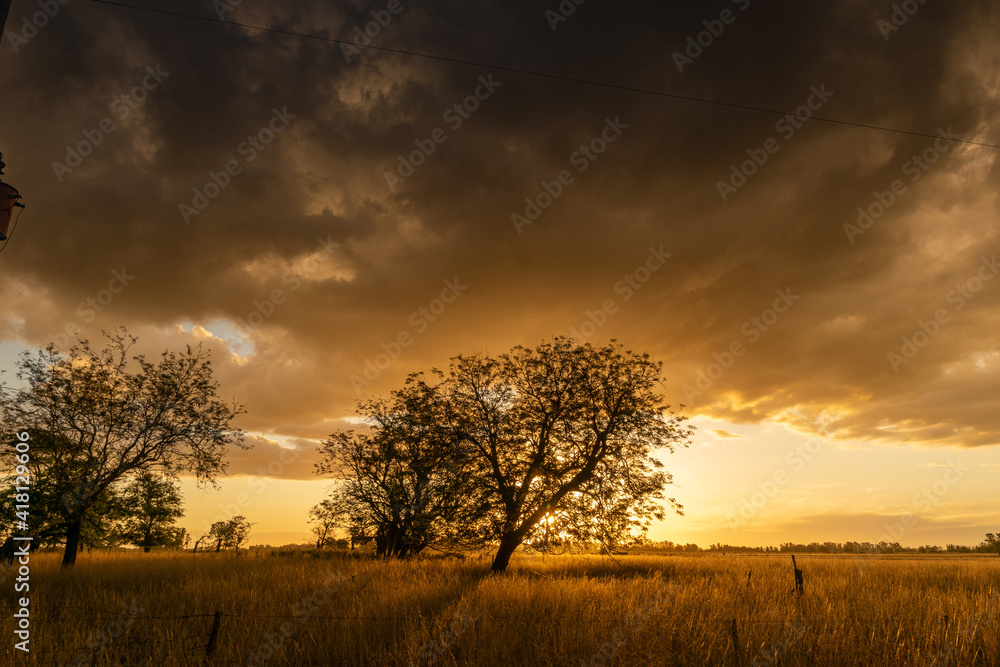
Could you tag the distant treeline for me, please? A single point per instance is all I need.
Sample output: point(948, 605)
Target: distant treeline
point(830, 548)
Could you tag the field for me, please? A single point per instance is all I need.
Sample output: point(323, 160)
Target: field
point(294, 609)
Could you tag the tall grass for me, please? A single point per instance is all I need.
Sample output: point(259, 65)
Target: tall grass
point(157, 609)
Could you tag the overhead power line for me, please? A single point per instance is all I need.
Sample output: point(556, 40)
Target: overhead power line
point(535, 73)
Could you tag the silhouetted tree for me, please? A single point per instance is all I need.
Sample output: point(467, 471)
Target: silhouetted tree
point(554, 443)
point(153, 505)
point(101, 416)
point(230, 534)
point(239, 531)
point(565, 431)
point(220, 532)
point(52, 496)
point(402, 482)
point(326, 517)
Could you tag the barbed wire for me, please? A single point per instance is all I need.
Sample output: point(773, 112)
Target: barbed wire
point(943, 618)
point(119, 612)
point(121, 643)
point(957, 625)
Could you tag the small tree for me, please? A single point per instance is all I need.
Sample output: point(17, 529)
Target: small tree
point(239, 531)
point(197, 543)
point(993, 542)
point(326, 517)
point(153, 504)
point(221, 532)
point(230, 534)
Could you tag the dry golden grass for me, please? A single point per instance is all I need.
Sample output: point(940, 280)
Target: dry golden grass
point(156, 609)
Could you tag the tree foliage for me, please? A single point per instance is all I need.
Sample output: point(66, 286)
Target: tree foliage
point(326, 517)
point(56, 480)
point(401, 482)
point(97, 417)
point(565, 434)
point(556, 440)
point(153, 505)
point(230, 534)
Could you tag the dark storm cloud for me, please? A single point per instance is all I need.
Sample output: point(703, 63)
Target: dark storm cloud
point(312, 220)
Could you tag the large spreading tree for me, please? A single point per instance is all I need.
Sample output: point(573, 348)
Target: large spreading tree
point(97, 418)
point(565, 435)
point(561, 439)
point(404, 482)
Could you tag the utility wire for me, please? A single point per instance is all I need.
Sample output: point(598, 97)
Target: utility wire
point(546, 75)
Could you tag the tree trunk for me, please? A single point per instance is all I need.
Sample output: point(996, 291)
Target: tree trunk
point(508, 543)
point(381, 543)
point(72, 541)
point(145, 549)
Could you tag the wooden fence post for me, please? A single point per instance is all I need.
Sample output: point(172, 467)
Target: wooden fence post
point(216, 622)
point(798, 578)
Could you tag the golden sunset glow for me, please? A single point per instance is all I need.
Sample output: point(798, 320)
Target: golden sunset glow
point(325, 219)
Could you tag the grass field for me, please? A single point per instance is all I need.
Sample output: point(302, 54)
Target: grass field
point(159, 609)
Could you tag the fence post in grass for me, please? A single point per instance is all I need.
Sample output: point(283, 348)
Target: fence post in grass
point(798, 577)
point(216, 622)
point(734, 633)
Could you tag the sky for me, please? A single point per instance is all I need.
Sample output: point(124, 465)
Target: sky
point(707, 183)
